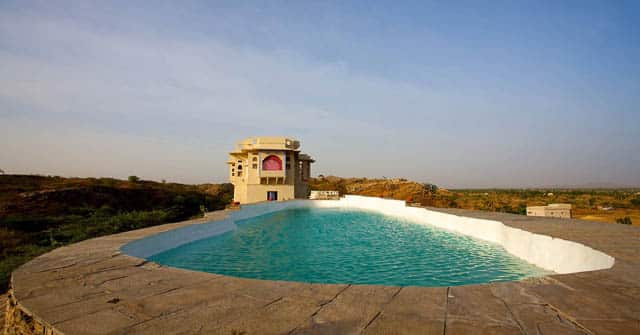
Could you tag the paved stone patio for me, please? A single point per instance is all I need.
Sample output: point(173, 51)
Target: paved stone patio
point(92, 288)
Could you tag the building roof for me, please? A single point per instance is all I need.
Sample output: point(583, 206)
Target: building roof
point(551, 206)
point(267, 143)
point(559, 206)
point(305, 157)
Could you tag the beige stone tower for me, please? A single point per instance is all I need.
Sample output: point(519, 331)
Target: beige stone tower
point(269, 168)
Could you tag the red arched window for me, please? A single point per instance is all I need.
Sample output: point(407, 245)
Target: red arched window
point(272, 163)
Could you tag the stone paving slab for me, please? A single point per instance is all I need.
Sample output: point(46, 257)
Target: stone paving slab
point(414, 310)
point(92, 288)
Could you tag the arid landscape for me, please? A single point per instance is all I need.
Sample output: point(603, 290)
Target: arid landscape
point(605, 205)
point(38, 213)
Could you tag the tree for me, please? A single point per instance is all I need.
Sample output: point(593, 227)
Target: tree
point(431, 188)
point(624, 220)
point(133, 179)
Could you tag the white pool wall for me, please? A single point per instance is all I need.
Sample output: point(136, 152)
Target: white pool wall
point(557, 255)
point(549, 253)
point(155, 244)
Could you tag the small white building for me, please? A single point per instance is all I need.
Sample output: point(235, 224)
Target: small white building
point(551, 210)
point(324, 195)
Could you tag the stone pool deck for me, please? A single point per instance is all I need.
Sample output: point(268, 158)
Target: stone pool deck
point(92, 288)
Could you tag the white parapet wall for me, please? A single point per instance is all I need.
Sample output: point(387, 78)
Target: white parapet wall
point(557, 255)
point(324, 195)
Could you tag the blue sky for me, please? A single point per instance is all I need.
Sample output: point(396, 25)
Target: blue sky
point(462, 94)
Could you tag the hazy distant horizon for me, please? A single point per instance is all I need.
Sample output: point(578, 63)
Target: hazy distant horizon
point(463, 96)
point(587, 186)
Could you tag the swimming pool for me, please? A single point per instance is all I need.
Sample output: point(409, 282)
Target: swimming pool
point(364, 240)
point(341, 245)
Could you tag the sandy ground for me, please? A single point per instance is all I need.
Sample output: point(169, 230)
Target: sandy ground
point(607, 216)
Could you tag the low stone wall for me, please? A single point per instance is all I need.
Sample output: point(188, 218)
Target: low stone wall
point(3, 308)
point(18, 321)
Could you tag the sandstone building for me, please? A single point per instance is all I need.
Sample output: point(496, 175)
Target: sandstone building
point(269, 169)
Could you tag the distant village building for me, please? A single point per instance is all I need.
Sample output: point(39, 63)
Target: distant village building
point(269, 169)
point(551, 210)
point(324, 195)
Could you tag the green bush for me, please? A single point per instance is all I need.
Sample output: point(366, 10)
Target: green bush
point(624, 220)
point(86, 208)
point(17, 247)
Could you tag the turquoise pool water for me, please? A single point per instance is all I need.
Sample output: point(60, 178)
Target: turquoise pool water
point(348, 246)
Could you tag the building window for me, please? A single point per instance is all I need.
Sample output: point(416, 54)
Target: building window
point(239, 167)
point(255, 159)
point(272, 163)
point(239, 173)
point(255, 166)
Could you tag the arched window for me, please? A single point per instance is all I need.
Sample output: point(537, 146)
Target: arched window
point(272, 163)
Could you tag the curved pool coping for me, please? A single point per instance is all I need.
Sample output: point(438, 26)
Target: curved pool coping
point(92, 287)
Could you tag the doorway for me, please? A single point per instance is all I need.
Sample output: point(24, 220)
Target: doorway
point(272, 195)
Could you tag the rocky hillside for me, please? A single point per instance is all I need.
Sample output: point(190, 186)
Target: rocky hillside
point(39, 196)
point(606, 205)
point(3, 307)
point(400, 189)
point(40, 213)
